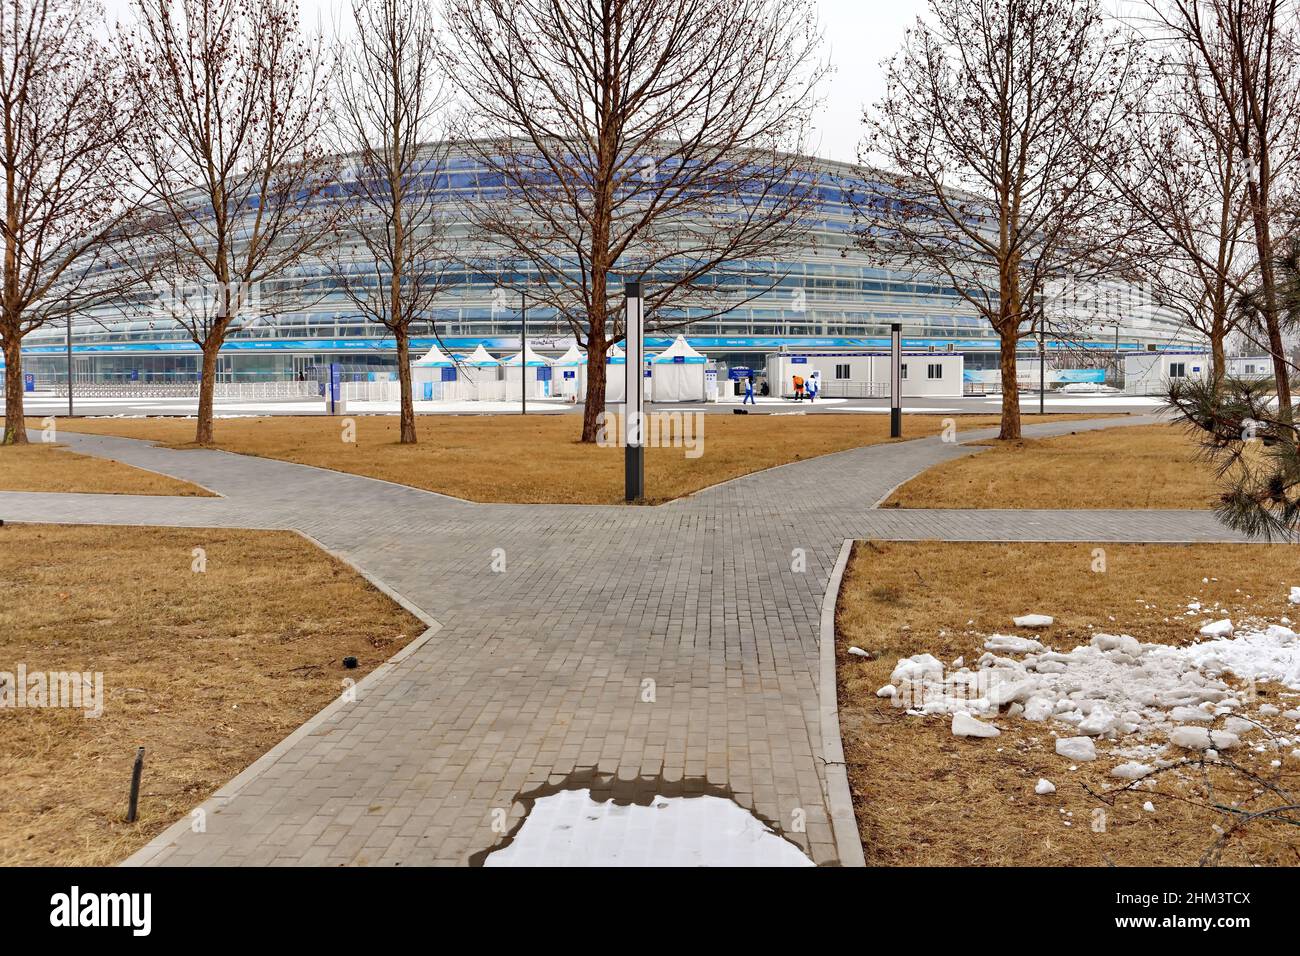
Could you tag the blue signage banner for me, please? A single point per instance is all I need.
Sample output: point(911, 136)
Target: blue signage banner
point(711, 343)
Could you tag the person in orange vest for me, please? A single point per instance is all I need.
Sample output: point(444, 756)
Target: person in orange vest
point(798, 388)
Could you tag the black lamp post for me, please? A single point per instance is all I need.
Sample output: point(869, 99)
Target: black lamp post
point(634, 395)
point(896, 380)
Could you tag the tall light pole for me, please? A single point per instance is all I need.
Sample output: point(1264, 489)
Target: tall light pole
point(69, 359)
point(523, 351)
point(634, 395)
point(896, 380)
point(1042, 368)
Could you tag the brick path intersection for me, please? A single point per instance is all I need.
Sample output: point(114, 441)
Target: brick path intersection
point(667, 650)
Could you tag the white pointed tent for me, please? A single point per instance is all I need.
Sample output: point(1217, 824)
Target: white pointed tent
point(528, 370)
point(481, 358)
point(678, 374)
point(428, 381)
point(573, 362)
point(434, 358)
point(482, 376)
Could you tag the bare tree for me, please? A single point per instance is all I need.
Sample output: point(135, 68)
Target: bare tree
point(1186, 181)
point(1248, 51)
point(999, 119)
point(389, 108)
point(649, 139)
point(61, 156)
point(232, 101)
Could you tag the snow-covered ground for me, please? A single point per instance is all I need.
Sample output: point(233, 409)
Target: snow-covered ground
point(569, 828)
point(1154, 702)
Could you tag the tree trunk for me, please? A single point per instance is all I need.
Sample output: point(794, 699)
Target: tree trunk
point(1267, 281)
point(404, 379)
point(1219, 368)
point(207, 387)
point(596, 347)
point(1010, 386)
point(15, 428)
point(597, 384)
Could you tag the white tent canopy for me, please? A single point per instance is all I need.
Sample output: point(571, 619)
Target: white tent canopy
point(480, 376)
point(568, 376)
point(678, 374)
point(434, 358)
point(529, 370)
point(481, 358)
point(430, 368)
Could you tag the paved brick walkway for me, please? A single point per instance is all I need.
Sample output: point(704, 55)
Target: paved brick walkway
point(538, 675)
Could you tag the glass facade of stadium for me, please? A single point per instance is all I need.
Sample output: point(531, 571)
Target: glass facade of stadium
point(830, 295)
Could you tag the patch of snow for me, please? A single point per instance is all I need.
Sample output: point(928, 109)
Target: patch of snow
point(1199, 738)
point(858, 652)
point(1149, 807)
point(1044, 787)
point(1132, 770)
point(919, 667)
point(1221, 628)
point(1009, 644)
point(1076, 748)
point(1033, 620)
point(1295, 595)
point(964, 725)
point(889, 690)
point(1239, 725)
point(1191, 715)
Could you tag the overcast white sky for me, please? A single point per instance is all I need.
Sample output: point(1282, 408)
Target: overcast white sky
point(859, 34)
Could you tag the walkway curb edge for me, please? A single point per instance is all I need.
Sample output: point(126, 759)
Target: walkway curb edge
point(229, 790)
point(844, 824)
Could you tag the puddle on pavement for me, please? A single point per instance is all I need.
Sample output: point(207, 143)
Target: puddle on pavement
point(588, 820)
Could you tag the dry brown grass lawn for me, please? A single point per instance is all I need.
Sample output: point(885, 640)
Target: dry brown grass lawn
point(1145, 466)
point(925, 797)
point(206, 671)
point(536, 458)
point(43, 466)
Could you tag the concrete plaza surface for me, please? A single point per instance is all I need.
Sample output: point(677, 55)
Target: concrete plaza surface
point(631, 651)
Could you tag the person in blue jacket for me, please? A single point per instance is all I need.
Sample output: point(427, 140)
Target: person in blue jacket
point(749, 392)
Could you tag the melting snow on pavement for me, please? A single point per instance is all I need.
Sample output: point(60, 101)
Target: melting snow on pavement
point(569, 828)
point(1111, 687)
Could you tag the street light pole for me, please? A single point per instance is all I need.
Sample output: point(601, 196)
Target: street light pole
point(523, 351)
point(896, 380)
point(634, 395)
point(1042, 369)
point(69, 362)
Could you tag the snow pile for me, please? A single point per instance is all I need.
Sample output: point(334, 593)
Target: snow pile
point(1272, 654)
point(1109, 688)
